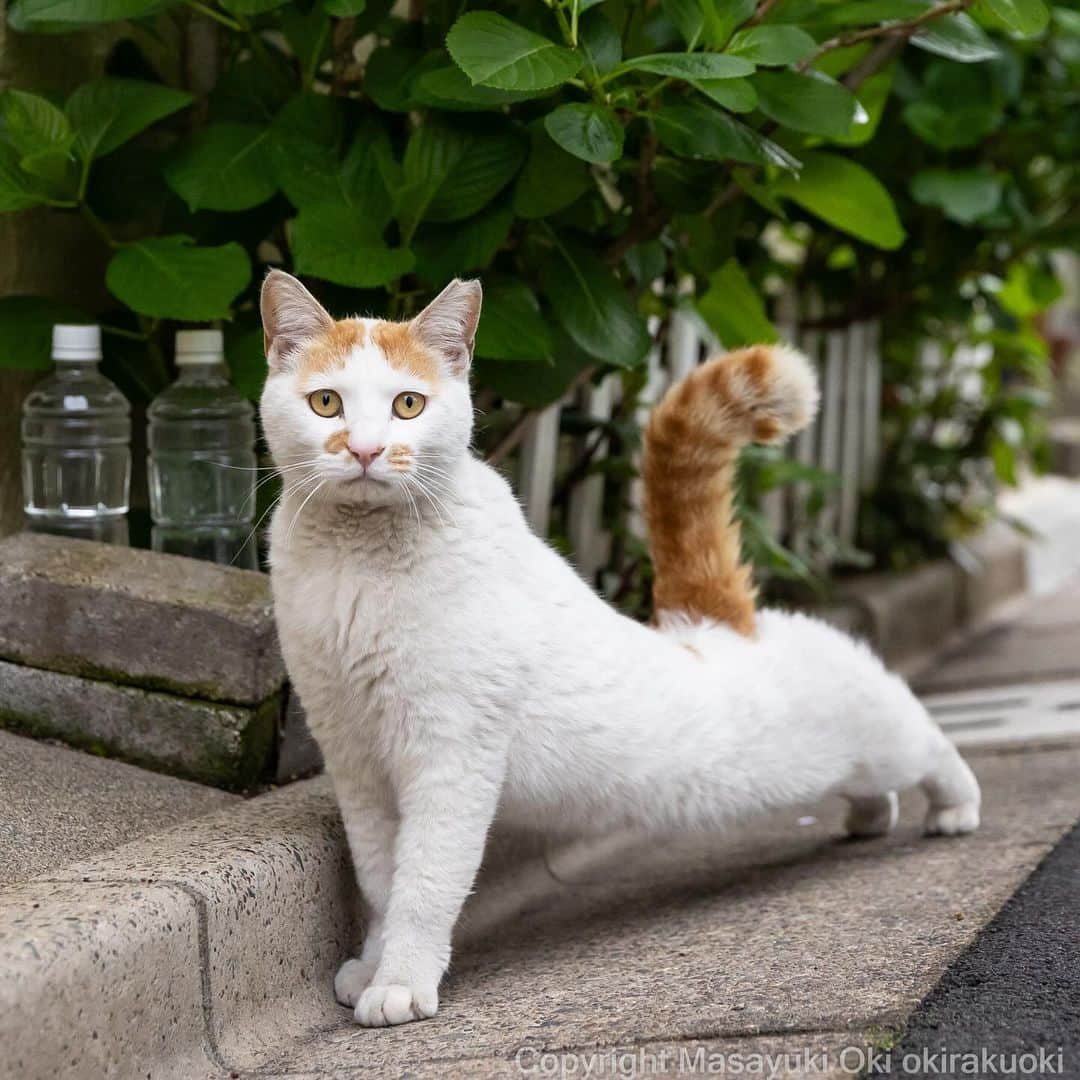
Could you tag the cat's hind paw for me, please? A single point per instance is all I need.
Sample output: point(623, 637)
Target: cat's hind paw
point(383, 1006)
point(352, 979)
point(872, 816)
point(952, 820)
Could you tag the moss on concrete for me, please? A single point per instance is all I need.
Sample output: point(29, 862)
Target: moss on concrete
point(242, 761)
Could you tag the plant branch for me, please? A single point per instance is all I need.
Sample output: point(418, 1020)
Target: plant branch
point(763, 9)
point(97, 225)
point(901, 30)
point(524, 423)
point(217, 16)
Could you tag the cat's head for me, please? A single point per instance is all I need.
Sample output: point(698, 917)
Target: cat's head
point(373, 408)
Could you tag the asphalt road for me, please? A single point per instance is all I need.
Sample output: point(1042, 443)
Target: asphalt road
point(1010, 1005)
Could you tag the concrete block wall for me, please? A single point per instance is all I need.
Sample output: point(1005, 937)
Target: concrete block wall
point(167, 662)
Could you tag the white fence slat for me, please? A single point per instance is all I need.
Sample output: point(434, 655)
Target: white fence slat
point(683, 344)
point(851, 425)
point(589, 541)
point(656, 382)
point(831, 413)
point(539, 456)
point(871, 456)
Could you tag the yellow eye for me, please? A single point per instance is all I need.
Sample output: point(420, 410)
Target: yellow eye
point(409, 404)
point(325, 402)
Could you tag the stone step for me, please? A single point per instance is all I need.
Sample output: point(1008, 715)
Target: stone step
point(210, 949)
point(163, 622)
point(167, 662)
point(58, 805)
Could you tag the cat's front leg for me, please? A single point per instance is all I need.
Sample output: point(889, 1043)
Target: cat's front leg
point(446, 804)
point(371, 826)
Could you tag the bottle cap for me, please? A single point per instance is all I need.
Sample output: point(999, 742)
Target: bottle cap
point(199, 347)
point(70, 342)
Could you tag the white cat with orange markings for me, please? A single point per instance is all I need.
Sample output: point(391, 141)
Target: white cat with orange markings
point(454, 668)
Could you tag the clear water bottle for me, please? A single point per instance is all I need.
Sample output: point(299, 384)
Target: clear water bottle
point(201, 441)
point(76, 437)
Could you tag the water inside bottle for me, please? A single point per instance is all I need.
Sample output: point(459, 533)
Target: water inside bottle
point(76, 434)
point(201, 440)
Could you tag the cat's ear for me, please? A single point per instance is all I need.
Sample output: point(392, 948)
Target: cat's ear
point(291, 316)
point(448, 324)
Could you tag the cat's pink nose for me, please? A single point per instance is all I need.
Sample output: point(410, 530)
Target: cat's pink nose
point(365, 454)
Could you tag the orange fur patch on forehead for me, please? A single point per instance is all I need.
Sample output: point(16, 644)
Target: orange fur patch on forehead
point(405, 351)
point(331, 350)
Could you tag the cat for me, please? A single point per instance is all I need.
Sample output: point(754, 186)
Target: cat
point(453, 667)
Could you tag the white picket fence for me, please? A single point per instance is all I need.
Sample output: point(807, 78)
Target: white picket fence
point(843, 440)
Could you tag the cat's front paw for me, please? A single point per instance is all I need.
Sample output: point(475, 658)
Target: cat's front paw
point(382, 1006)
point(352, 979)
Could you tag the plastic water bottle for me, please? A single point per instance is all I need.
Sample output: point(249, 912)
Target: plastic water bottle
point(201, 439)
point(76, 437)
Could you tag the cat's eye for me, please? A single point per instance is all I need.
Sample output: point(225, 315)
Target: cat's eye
point(325, 402)
point(409, 404)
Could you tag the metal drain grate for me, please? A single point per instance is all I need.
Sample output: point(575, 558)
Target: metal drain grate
point(1009, 714)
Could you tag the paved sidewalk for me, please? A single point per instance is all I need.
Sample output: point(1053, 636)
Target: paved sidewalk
point(223, 932)
point(58, 805)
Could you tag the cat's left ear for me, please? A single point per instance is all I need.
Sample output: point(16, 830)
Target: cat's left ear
point(448, 324)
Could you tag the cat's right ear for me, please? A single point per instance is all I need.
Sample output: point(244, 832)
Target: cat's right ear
point(291, 316)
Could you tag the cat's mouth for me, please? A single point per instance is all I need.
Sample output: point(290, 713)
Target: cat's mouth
point(366, 477)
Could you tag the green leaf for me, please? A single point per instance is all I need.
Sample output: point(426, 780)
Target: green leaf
point(339, 244)
point(19, 190)
point(246, 360)
point(30, 16)
point(590, 132)
point(41, 134)
point(449, 88)
point(251, 7)
point(956, 37)
point(537, 384)
point(869, 12)
point(451, 172)
point(168, 277)
point(734, 310)
point(388, 76)
point(721, 17)
point(107, 112)
point(600, 41)
point(811, 103)
point(848, 197)
point(511, 326)
point(344, 9)
point(494, 51)
point(687, 17)
point(551, 180)
point(696, 131)
point(26, 324)
point(951, 128)
point(738, 95)
point(593, 306)
point(873, 96)
point(691, 65)
point(34, 124)
point(223, 167)
point(1024, 16)
point(965, 195)
point(772, 45)
point(307, 33)
point(446, 251)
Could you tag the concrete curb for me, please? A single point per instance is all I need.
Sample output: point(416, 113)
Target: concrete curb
point(906, 616)
point(209, 950)
point(169, 954)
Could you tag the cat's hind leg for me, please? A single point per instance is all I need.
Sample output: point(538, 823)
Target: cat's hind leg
point(871, 815)
point(954, 794)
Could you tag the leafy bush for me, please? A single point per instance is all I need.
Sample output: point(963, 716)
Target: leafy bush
point(572, 152)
